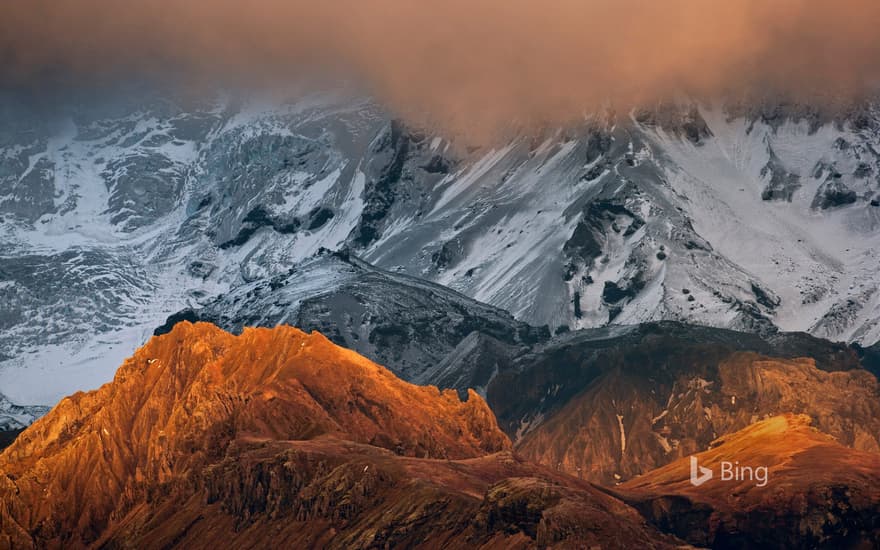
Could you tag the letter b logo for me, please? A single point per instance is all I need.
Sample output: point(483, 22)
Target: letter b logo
point(699, 474)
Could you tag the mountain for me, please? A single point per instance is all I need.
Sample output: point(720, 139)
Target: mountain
point(815, 494)
point(603, 404)
point(120, 210)
point(612, 404)
point(276, 436)
point(409, 325)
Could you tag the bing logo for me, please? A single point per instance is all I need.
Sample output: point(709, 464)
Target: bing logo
point(730, 471)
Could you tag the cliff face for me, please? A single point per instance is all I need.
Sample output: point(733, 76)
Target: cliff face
point(206, 438)
point(817, 492)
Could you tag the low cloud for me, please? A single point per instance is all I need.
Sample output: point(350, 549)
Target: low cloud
point(473, 66)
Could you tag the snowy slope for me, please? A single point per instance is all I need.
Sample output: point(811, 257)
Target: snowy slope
point(404, 323)
point(124, 224)
point(111, 221)
point(676, 225)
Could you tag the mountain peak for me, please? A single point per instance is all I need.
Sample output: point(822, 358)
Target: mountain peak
point(186, 397)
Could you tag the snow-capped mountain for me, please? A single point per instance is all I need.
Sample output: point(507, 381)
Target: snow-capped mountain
point(406, 324)
point(113, 218)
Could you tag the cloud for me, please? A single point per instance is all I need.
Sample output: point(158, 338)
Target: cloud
point(475, 66)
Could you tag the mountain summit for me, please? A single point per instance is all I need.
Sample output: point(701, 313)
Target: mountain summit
point(182, 402)
point(812, 493)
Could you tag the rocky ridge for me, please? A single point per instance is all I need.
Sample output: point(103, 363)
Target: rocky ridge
point(276, 435)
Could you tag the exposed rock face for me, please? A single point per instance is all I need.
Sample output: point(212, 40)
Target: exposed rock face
point(781, 184)
point(278, 437)
point(817, 492)
point(612, 405)
point(182, 400)
point(7, 437)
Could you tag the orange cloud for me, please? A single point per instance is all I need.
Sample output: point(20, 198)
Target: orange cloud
point(474, 66)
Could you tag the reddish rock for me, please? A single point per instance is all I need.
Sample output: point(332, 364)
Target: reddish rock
point(276, 437)
point(629, 422)
point(818, 493)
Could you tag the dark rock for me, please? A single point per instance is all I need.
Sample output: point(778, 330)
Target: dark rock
point(694, 245)
point(200, 269)
point(682, 121)
point(7, 437)
point(615, 292)
point(782, 184)
point(318, 217)
point(256, 219)
point(379, 192)
point(583, 242)
point(833, 193)
point(764, 297)
point(437, 165)
point(636, 224)
point(863, 170)
point(598, 143)
point(593, 173)
point(449, 254)
point(188, 315)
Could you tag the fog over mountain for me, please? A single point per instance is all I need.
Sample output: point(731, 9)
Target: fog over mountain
point(475, 68)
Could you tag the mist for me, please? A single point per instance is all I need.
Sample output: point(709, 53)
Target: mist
point(472, 67)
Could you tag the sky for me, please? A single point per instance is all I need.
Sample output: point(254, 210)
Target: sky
point(473, 66)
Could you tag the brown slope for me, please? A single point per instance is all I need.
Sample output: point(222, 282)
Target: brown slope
point(818, 493)
point(628, 422)
point(327, 493)
point(177, 404)
point(278, 437)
